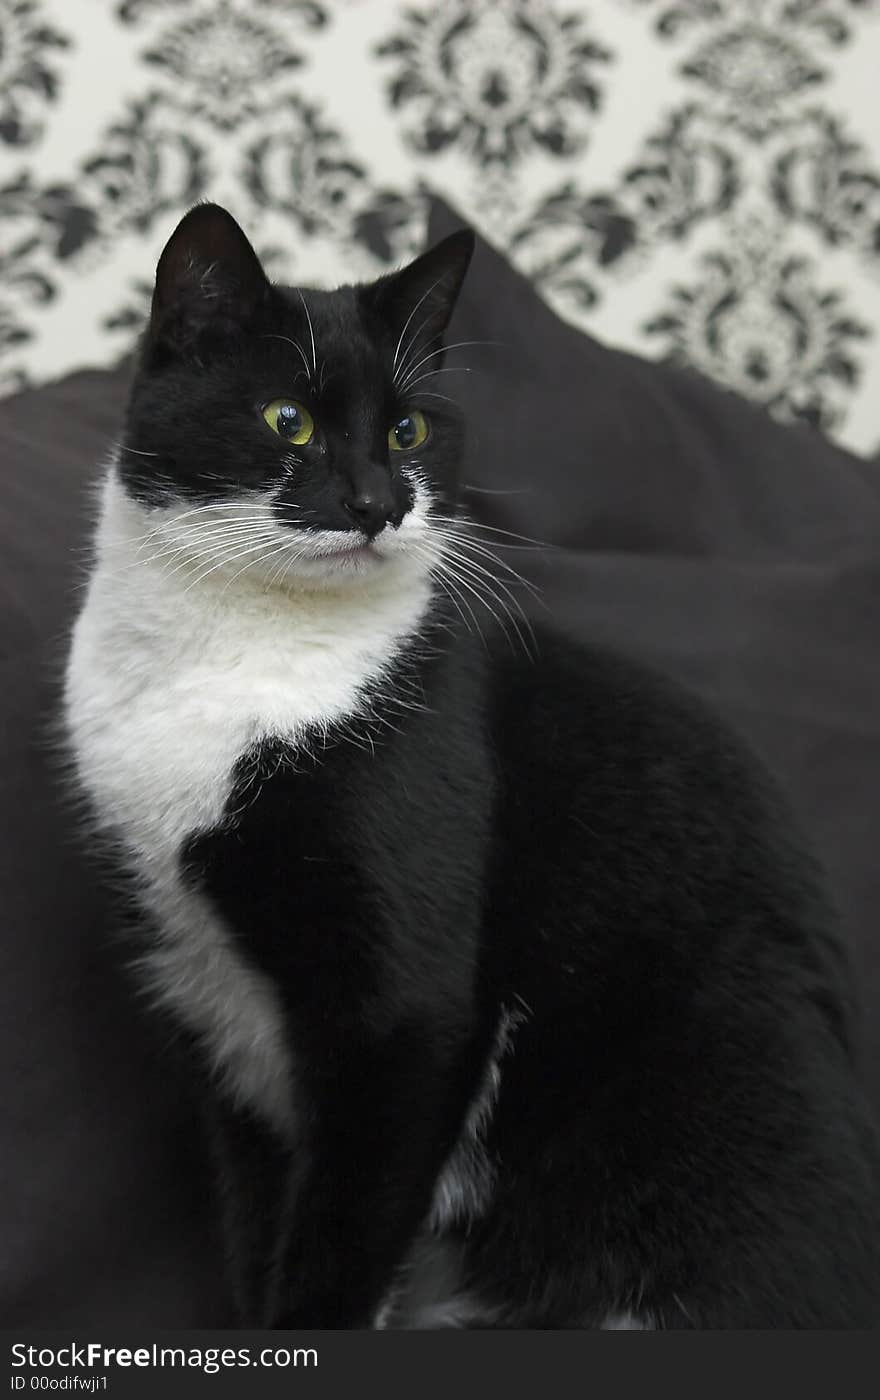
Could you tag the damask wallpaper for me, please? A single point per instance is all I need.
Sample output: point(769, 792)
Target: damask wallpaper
point(687, 178)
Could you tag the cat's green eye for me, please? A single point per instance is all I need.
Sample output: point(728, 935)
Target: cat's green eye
point(290, 420)
point(408, 432)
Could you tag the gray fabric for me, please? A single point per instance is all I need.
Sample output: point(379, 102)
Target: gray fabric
point(102, 1218)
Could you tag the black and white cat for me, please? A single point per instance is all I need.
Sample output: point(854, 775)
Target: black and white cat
point(512, 957)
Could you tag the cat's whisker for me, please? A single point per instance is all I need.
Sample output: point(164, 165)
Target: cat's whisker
point(281, 548)
point(184, 546)
point(201, 528)
point(211, 541)
point(201, 532)
point(278, 576)
point(219, 512)
point(137, 451)
point(461, 550)
point(480, 578)
point(450, 572)
point(215, 552)
point(467, 542)
point(459, 580)
point(446, 369)
point(428, 394)
point(414, 340)
point(413, 349)
point(443, 350)
point(169, 521)
point(453, 595)
point(226, 560)
point(496, 586)
point(512, 609)
point(505, 545)
point(296, 346)
point(513, 580)
point(466, 523)
point(434, 563)
point(196, 535)
point(311, 332)
point(187, 556)
point(496, 490)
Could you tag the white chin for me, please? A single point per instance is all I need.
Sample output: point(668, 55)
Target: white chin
point(337, 566)
point(333, 558)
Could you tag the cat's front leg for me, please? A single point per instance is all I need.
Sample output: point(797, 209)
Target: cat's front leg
point(376, 985)
point(384, 1112)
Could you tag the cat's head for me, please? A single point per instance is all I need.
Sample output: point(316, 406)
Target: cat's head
point(297, 434)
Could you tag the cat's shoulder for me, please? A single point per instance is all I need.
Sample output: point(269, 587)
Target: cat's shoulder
point(582, 683)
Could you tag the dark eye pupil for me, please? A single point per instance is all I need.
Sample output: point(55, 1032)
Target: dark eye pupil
point(406, 432)
point(289, 421)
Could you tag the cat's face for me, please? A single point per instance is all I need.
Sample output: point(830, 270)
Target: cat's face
point(298, 436)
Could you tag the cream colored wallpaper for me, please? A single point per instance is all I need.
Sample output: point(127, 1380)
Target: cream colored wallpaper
point(689, 178)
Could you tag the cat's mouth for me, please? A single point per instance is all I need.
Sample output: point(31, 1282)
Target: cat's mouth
point(358, 548)
point(337, 557)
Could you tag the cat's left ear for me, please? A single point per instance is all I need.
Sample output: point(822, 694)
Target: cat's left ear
point(420, 299)
point(208, 279)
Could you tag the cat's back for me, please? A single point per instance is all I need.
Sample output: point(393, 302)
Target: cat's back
point(583, 725)
point(651, 828)
point(686, 995)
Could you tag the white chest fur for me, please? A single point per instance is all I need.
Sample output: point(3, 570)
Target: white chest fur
point(168, 684)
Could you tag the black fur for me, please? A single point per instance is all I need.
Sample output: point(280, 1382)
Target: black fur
point(679, 1133)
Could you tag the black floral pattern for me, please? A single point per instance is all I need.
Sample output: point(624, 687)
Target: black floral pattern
point(565, 237)
point(312, 12)
point(686, 178)
point(62, 222)
point(227, 65)
point(20, 281)
point(300, 168)
point(148, 167)
point(759, 321)
point(823, 178)
point(389, 224)
point(29, 77)
point(24, 284)
point(754, 72)
point(687, 174)
point(829, 19)
point(495, 78)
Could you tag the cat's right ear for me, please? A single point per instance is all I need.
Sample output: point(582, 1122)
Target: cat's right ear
point(209, 281)
point(421, 297)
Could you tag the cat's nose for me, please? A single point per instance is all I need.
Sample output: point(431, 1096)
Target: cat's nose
point(370, 512)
